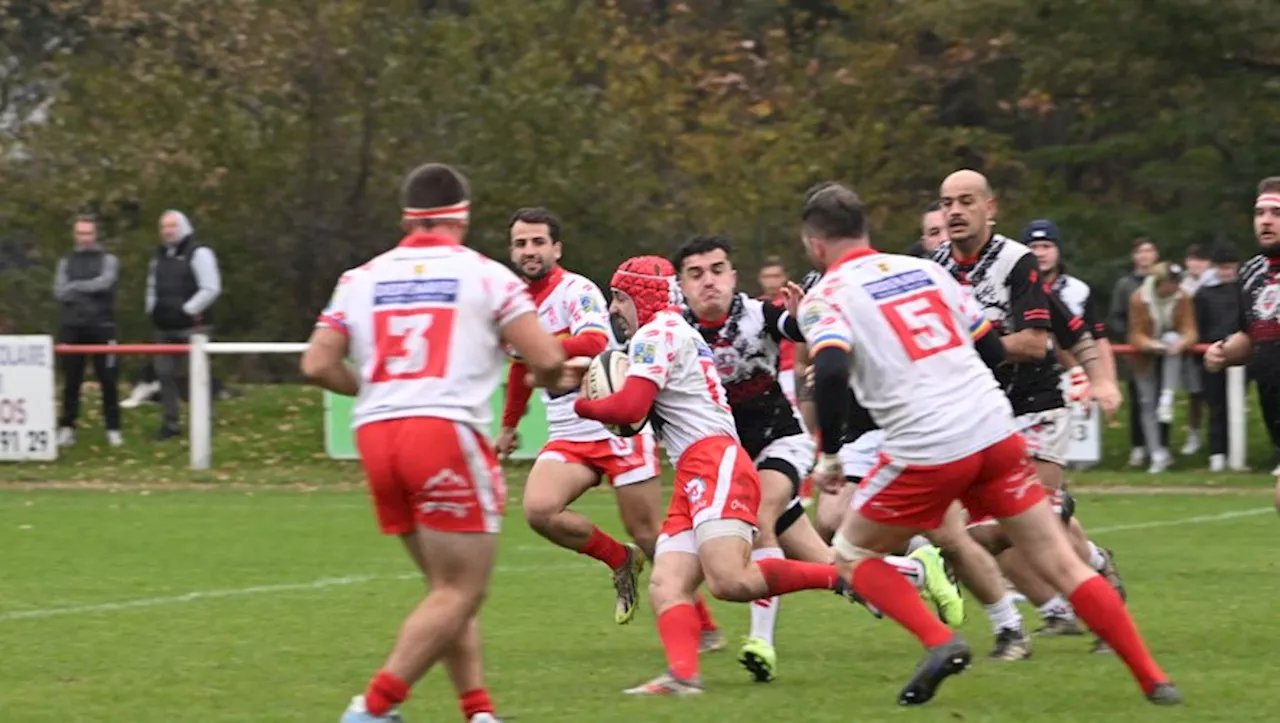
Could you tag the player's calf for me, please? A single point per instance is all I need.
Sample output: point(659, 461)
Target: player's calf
point(1037, 533)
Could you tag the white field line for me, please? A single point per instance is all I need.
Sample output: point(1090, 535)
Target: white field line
point(331, 582)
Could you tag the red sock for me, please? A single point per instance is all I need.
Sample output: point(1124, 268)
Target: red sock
point(704, 613)
point(475, 701)
point(605, 549)
point(385, 692)
point(1100, 607)
point(784, 576)
point(880, 585)
point(679, 629)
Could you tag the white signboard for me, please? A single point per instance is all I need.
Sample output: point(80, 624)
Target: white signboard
point(27, 421)
point(1084, 433)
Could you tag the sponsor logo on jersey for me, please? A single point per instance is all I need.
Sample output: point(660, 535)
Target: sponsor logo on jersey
point(416, 291)
point(644, 352)
point(589, 304)
point(898, 284)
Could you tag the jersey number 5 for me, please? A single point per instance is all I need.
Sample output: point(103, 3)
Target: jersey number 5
point(923, 323)
point(412, 344)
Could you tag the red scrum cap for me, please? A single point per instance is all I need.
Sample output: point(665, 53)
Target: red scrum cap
point(650, 281)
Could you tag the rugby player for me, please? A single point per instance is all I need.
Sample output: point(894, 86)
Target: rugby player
point(903, 335)
point(580, 452)
point(711, 523)
point(426, 323)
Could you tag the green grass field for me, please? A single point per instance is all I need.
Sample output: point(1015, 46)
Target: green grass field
point(276, 605)
point(263, 593)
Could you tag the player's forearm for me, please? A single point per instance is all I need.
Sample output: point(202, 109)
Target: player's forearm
point(517, 398)
point(830, 389)
point(1237, 349)
point(585, 344)
point(336, 377)
point(1027, 345)
point(1088, 356)
point(629, 405)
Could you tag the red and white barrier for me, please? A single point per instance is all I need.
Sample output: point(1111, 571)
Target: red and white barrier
point(200, 427)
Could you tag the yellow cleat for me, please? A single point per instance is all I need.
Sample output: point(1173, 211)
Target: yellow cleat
point(760, 659)
point(938, 589)
point(626, 582)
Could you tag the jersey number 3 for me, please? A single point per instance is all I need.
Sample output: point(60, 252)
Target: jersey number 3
point(923, 323)
point(412, 344)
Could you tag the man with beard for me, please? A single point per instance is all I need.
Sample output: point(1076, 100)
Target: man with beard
point(580, 452)
point(1005, 280)
point(744, 335)
point(1258, 342)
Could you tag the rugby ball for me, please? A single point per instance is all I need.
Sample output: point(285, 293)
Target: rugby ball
point(606, 374)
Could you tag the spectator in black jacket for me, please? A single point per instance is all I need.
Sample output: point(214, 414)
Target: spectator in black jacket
point(182, 285)
point(1217, 304)
point(85, 285)
point(1145, 255)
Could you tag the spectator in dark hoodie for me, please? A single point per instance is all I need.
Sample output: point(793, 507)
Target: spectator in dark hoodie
point(1145, 255)
point(1217, 304)
point(85, 286)
point(182, 285)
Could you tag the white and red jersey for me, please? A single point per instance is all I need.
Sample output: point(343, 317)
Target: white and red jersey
point(691, 404)
point(572, 306)
point(909, 328)
point(423, 322)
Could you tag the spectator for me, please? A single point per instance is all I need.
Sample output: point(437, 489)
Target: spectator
point(85, 286)
point(1217, 305)
point(1162, 326)
point(772, 276)
point(1199, 271)
point(1145, 255)
point(1258, 341)
point(933, 231)
point(182, 284)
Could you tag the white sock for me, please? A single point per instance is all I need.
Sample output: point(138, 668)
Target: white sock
point(918, 542)
point(1057, 607)
point(1096, 560)
point(764, 612)
point(1004, 614)
point(913, 570)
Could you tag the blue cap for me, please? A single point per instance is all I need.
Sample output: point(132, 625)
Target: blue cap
point(1041, 229)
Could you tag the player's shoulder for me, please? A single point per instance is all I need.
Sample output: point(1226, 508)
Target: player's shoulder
point(1253, 266)
point(940, 254)
point(1009, 250)
point(1075, 286)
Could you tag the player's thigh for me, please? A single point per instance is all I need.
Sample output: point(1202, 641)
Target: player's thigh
point(801, 541)
point(555, 481)
point(1042, 539)
point(788, 460)
point(724, 549)
point(676, 569)
point(640, 503)
point(833, 507)
point(458, 561)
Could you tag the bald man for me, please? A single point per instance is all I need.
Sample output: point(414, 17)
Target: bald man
point(1005, 279)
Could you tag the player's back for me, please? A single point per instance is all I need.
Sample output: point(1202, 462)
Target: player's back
point(424, 326)
point(691, 404)
point(914, 365)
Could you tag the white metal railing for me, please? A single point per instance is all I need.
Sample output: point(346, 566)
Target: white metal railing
point(201, 397)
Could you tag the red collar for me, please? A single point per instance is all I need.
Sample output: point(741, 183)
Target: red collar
point(542, 288)
point(855, 254)
point(424, 239)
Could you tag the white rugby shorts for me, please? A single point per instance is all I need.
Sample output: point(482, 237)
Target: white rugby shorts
point(1047, 434)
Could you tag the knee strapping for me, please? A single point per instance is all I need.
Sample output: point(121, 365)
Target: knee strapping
point(848, 552)
point(794, 512)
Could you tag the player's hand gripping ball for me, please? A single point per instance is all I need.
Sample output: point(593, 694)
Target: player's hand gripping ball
point(606, 375)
